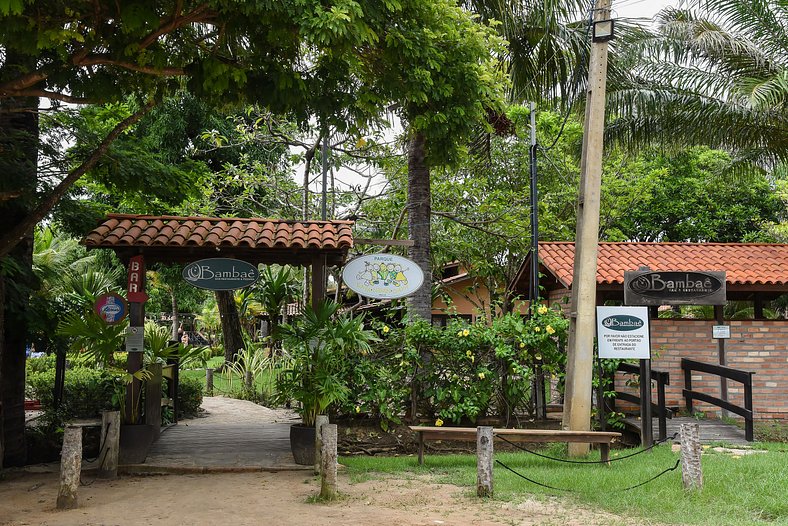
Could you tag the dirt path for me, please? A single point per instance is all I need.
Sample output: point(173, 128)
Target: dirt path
point(270, 499)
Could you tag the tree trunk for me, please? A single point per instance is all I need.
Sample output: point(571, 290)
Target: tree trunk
point(419, 208)
point(174, 303)
point(18, 161)
point(231, 324)
point(420, 303)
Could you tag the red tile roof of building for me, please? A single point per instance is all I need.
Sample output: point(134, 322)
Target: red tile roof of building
point(744, 263)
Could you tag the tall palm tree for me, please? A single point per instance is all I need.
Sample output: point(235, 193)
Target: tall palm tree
point(716, 74)
point(547, 56)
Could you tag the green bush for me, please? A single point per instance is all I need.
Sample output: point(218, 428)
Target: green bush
point(189, 396)
point(43, 363)
point(86, 392)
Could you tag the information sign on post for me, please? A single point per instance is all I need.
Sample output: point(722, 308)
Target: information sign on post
point(623, 332)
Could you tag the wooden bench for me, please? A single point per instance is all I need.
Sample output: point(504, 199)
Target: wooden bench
point(603, 438)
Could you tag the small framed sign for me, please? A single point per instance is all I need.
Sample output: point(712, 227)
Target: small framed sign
point(721, 331)
point(135, 339)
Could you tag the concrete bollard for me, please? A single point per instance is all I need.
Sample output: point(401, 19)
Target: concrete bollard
point(70, 468)
point(691, 471)
point(110, 440)
point(320, 421)
point(328, 469)
point(209, 381)
point(484, 461)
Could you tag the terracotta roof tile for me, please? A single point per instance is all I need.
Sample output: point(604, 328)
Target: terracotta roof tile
point(744, 263)
point(171, 231)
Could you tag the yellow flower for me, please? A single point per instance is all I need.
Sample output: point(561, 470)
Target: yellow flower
point(358, 409)
point(481, 376)
point(549, 329)
point(538, 356)
point(466, 332)
point(537, 329)
point(385, 328)
point(522, 345)
point(459, 333)
point(438, 422)
point(542, 310)
point(473, 358)
point(468, 353)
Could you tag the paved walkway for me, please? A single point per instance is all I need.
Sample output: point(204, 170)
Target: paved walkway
point(234, 436)
point(711, 430)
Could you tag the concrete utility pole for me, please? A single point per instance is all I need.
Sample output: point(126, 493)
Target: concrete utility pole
point(579, 367)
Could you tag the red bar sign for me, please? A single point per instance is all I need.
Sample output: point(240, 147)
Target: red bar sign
point(136, 287)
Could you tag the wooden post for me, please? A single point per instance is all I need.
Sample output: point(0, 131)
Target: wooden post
point(719, 315)
point(320, 421)
point(70, 468)
point(328, 468)
point(209, 381)
point(110, 438)
point(582, 328)
point(318, 280)
point(691, 471)
point(153, 400)
point(484, 461)
point(646, 423)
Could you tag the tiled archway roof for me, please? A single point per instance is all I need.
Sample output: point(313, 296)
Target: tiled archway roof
point(173, 238)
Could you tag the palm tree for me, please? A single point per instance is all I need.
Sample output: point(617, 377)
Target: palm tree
point(715, 74)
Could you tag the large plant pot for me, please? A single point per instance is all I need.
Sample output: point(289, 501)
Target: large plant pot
point(302, 444)
point(135, 442)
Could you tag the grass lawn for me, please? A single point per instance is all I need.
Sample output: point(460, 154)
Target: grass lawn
point(221, 383)
point(738, 490)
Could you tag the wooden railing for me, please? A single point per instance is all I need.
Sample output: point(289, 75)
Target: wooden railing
point(745, 377)
point(660, 409)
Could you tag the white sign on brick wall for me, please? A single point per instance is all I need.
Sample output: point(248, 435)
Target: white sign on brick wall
point(622, 332)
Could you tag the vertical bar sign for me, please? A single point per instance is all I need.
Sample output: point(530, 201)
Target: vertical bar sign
point(136, 286)
point(623, 332)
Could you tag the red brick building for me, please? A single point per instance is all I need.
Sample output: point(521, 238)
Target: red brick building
point(756, 274)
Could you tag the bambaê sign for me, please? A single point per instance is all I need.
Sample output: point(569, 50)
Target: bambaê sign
point(622, 332)
point(220, 274)
point(674, 288)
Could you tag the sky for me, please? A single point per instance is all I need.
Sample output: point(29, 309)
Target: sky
point(640, 8)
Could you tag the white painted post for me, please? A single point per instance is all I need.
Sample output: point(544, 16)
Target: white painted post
point(484, 461)
point(70, 468)
point(691, 471)
point(328, 471)
point(320, 421)
point(110, 440)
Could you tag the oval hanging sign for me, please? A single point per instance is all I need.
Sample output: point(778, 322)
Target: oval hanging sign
point(383, 276)
point(220, 274)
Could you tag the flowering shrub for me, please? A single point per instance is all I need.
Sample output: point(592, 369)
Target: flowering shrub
point(465, 371)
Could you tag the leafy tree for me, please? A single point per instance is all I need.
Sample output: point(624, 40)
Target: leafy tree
point(685, 197)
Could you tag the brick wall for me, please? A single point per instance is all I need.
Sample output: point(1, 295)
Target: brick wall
point(758, 346)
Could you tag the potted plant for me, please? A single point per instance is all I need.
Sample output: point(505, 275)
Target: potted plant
point(315, 376)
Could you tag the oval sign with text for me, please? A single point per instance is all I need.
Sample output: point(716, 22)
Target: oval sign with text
point(622, 322)
point(383, 276)
point(220, 274)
